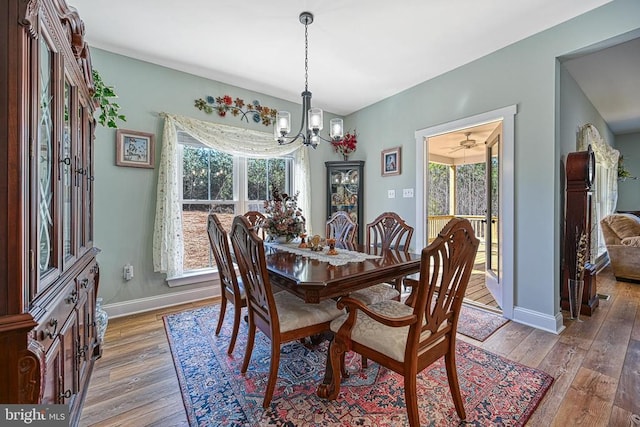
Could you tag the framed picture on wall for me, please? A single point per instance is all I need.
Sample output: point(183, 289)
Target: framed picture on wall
point(390, 161)
point(134, 149)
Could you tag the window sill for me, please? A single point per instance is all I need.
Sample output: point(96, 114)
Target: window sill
point(192, 278)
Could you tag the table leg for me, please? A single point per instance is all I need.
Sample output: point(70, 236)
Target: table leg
point(334, 371)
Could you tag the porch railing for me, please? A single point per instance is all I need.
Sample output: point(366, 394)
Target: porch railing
point(435, 223)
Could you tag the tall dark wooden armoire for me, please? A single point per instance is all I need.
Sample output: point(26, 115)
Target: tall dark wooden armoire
point(48, 269)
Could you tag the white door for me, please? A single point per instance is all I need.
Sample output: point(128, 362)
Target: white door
point(492, 217)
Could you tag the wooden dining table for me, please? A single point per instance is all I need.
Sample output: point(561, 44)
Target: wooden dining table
point(314, 280)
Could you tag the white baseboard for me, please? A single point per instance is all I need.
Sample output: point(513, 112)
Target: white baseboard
point(535, 319)
point(141, 305)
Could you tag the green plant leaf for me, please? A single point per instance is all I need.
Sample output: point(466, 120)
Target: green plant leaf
point(109, 110)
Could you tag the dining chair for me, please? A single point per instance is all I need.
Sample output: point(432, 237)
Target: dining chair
point(408, 337)
point(282, 316)
point(256, 219)
point(231, 286)
point(341, 227)
point(387, 231)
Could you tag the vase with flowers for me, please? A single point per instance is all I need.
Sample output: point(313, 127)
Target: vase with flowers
point(346, 145)
point(577, 265)
point(283, 218)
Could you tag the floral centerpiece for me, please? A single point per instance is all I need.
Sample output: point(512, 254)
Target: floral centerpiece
point(347, 145)
point(283, 217)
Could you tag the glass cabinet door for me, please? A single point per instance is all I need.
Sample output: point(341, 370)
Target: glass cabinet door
point(345, 190)
point(46, 212)
point(66, 156)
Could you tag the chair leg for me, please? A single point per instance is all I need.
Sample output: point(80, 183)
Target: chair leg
point(251, 334)
point(236, 326)
point(223, 310)
point(452, 376)
point(273, 373)
point(411, 399)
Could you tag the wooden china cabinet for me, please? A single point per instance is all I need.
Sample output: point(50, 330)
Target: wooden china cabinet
point(48, 269)
point(345, 191)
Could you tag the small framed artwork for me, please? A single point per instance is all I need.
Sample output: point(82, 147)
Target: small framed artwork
point(134, 149)
point(391, 160)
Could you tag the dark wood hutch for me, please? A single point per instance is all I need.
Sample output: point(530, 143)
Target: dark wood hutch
point(48, 269)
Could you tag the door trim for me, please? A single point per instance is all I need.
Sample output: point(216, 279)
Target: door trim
point(507, 185)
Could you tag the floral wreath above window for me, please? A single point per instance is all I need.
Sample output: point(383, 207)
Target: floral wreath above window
point(226, 104)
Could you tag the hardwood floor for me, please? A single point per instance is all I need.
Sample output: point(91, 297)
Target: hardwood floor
point(595, 363)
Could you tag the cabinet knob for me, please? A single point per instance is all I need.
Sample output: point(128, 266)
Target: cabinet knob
point(65, 395)
point(82, 352)
point(47, 333)
point(73, 298)
point(84, 283)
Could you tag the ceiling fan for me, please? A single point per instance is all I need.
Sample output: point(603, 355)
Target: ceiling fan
point(465, 143)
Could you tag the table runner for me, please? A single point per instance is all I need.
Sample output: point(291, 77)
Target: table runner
point(343, 257)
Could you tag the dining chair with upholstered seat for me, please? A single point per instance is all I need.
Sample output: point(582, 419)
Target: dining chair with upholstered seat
point(256, 219)
point(408, 337)
point(231, 286)
point(282, 316)
point(387, 231)
point(341, 227)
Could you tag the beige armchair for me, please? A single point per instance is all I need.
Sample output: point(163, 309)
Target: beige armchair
point(622, 236)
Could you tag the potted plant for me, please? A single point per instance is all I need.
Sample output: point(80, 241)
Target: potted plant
point(104, 95)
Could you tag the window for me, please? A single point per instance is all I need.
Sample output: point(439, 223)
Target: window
point(213, 181)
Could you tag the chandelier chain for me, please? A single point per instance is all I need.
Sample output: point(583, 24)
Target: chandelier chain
point(306, 57)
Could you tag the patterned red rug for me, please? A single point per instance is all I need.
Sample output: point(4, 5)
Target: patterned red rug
point(496, 391)
point(479, 324)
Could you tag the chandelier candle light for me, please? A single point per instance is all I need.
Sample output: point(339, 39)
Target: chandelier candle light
point(312, 120)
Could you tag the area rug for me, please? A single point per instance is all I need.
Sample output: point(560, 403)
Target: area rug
point(479, 324)
point(496, 391)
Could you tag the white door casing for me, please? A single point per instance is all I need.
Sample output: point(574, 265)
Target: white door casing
point(507, 189)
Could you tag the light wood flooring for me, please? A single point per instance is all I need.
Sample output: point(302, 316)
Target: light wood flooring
point(595, 363)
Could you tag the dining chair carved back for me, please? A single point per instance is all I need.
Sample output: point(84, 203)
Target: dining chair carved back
point(387, 231)
point(256, 219)
point(341, 227)
point(282, 316)
point(408, 337)
point(231, 286)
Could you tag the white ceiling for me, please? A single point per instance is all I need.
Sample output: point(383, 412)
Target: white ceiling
point(610, 78)
point(360, 52)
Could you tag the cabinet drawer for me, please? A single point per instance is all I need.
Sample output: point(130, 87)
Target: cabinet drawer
point(55, 315)
point(87, 278)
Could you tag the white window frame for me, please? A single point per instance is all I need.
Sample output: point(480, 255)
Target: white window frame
point(240, 203)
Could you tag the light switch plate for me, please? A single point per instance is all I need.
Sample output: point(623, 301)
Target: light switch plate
point(407, 192)
point(391, 194)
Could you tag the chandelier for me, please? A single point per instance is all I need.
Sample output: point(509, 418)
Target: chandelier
point(312, 121)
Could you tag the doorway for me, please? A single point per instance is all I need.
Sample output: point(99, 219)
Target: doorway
point(480, 150)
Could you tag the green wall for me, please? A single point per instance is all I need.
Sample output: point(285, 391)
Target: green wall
point(526, 74)
point(629, 190)
point(125, 197)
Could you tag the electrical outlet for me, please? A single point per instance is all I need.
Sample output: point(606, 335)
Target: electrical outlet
point(391, 194)
point(407, 192)
point(128, 272)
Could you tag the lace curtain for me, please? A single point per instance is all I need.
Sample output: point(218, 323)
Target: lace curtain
point(605, 194)
point(167, 233)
